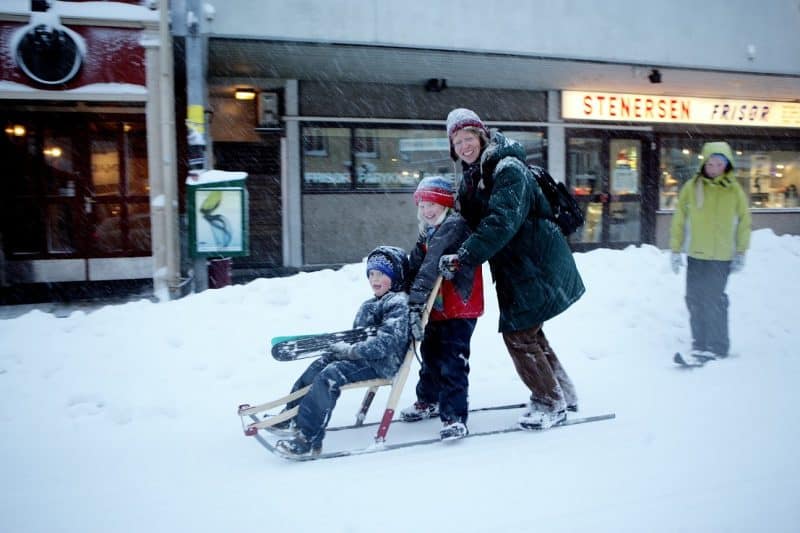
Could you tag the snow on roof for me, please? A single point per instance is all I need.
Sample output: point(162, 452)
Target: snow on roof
point(214, 176)
point(99, 88)
point(114, 11)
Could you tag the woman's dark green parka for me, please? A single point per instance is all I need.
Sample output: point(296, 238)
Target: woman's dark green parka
point(531, 263)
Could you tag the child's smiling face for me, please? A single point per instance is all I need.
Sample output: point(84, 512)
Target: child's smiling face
point(430, 212)
point(380, 283)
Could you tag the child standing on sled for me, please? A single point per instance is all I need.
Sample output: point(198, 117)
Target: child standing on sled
point(443, 377)
point(376, 357)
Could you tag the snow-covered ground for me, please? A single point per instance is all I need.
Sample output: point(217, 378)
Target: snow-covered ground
point(124, 419)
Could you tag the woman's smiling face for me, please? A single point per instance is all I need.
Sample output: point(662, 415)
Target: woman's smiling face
point(467, 145)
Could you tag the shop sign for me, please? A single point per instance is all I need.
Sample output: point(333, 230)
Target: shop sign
point(619, 107)
point(53, 56)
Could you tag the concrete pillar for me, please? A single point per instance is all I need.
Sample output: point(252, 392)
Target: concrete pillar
point(191, 22)
point(556, 138)
point(161, 150)
point(291, 181)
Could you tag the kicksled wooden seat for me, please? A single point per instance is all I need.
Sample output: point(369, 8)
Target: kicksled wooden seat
point(251, 423)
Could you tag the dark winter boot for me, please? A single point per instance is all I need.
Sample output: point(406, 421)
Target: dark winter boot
point(299, 445)
point(540, 416)
point(703, 356)
point(285, 429)
point(453, 431)
point(419, 411)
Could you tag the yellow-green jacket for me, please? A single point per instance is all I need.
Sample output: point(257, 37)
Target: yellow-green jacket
point(716, 211)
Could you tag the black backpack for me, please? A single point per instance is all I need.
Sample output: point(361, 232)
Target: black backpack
point(566, 212)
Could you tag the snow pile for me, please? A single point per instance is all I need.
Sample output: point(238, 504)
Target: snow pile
point(124, 419)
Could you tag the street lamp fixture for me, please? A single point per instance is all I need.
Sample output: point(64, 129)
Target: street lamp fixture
point(243, 93)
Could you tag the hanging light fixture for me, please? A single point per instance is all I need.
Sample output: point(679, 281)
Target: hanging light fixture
point(244, 93)
point(15, 130)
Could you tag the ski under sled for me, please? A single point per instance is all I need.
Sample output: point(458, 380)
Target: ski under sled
point(293, 347)
point(382, 446)
point(396, 383)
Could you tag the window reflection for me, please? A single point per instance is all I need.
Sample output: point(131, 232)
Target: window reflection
point(625, 222)
point(345, 158)
point(60, 229)
point(584, 166)
point(326, 157)
point(59, 164)
point(592, 228)
point(625, 166)
point(105, 167)
point(134, 150)
point(400, 157)
point(80, 186)
point(769, 172)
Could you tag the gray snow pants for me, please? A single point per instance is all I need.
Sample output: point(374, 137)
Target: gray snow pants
point(708, 304)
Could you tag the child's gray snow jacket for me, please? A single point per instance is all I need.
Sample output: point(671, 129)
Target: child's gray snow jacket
point(386, 351)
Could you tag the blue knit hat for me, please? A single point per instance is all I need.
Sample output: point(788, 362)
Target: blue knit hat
point(381, 263)
point(392, 261)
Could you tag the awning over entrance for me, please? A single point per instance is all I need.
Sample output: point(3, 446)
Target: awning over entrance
point(249, 59)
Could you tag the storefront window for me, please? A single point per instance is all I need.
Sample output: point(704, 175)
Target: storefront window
point(105, 158)
point(108, 233)
point(343, 158)
point(134, 143)
point(59, 164)
point(625, 166)
point(586, 171)
point(139, 228)
point(60, 229)
point(625, 222)
point(326, 157)
point(22, 232)
point(768, 171)
point(399, 158)
point(533, 142)
point(79, 187)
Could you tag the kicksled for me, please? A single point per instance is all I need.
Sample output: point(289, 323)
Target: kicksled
point(260, 421)
point(252, 425)
point(409, 433)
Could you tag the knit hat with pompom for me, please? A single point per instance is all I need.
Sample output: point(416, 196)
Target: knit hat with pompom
point(436, 189)
point(461, 118)
point(392, 261)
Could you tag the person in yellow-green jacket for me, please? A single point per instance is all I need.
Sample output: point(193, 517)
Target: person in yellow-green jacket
point(714, 207)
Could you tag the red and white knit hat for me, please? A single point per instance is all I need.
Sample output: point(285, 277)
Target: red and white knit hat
point(436, 189)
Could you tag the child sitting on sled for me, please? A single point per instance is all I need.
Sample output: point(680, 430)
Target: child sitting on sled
point(377, 357)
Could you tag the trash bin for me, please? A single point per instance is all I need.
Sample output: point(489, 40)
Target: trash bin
point(219, 272)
